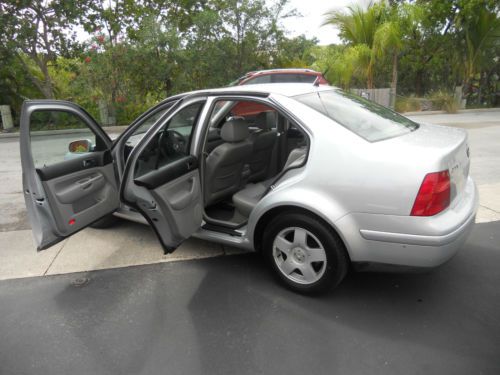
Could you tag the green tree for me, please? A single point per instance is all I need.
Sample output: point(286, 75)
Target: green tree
point(358, 27)
point(36, 32)
point(482, 35)
point(295, 52)
point(388, 40)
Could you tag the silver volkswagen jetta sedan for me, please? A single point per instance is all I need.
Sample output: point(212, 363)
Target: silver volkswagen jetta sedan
point(314, 178)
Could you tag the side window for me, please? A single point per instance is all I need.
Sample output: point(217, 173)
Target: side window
point(294, 136)
point(254, 113)
point(149, 121)
point(171, 142)
point(259, 79)
point(57, 136)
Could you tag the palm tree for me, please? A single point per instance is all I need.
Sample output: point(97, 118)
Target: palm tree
point(358, 27)
point(482, 33)
point(379, 28)
point(388, 40)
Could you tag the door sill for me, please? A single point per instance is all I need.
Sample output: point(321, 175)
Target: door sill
point(222, 229)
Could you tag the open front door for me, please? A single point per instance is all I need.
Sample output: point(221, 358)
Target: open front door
point(162, 179)
point(69, 179)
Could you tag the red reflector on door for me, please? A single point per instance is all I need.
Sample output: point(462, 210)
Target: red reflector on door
point(71, 221)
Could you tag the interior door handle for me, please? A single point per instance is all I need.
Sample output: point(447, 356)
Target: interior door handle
point(89, 163)
point(87, 182)
point(76, 190)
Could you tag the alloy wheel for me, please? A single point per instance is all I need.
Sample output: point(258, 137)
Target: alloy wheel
point(299, 255)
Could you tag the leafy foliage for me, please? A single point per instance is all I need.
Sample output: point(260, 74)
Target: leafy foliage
point(139, 52)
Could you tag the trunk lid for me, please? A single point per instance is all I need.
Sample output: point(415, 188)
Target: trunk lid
point(438, 148)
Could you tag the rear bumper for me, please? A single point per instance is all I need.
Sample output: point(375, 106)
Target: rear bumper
point(419, 242)
point(416, 239)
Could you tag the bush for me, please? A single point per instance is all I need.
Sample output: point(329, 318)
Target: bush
point(444, 100)
point(408, 104)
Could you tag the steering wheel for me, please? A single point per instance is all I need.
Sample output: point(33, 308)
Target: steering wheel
point(171, 143)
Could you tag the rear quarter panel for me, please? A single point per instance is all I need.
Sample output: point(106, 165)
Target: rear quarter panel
point(380, 177)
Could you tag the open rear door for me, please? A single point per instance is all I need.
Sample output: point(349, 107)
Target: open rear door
point(69, 179)
point(161, 178)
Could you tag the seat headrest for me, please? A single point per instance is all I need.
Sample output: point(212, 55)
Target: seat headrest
point(266, 120)
point(234, 131)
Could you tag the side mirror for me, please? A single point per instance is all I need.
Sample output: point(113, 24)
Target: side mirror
point(81, 146)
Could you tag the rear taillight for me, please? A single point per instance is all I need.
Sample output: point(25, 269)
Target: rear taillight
point(433, 196)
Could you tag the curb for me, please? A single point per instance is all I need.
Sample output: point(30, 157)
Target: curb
point(425, 113)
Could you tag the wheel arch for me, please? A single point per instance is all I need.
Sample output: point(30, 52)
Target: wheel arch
point(269, 215)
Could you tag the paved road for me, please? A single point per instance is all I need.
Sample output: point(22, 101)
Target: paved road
point(227, 316)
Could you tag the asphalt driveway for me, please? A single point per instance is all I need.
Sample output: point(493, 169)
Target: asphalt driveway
point(226, 315)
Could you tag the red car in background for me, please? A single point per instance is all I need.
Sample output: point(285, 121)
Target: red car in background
point(281, 76)
point(274, 76)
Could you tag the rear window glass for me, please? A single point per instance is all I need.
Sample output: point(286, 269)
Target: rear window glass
point(288, 77)
point(367, 119)
point(259, 80)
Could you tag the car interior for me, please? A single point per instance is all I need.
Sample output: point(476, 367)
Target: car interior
point(171, 142)
point(247, 146)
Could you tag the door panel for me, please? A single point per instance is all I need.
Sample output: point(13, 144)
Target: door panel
point(64, 191)
point(161, 179)
point(80, 198)
point(177, 211)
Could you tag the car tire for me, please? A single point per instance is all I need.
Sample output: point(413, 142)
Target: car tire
point(105, 222)
point(305, 253)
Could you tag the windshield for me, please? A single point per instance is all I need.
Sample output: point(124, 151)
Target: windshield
point(365, 118)
point(148, 121)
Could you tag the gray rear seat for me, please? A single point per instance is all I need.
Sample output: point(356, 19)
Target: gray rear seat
point(245, 200)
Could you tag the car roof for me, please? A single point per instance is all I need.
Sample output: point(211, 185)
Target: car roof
point(285, 89)
point(286, 70)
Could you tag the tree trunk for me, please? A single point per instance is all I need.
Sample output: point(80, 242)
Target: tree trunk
point(369, 77)
point(418, 83)
point(394, 82)
point(45, 86)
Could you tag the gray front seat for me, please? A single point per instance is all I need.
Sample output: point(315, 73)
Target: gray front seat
point(263, 144)
point(224, 165)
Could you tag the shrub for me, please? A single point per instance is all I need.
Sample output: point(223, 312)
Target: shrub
point(444, 100)
point(408, 104)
